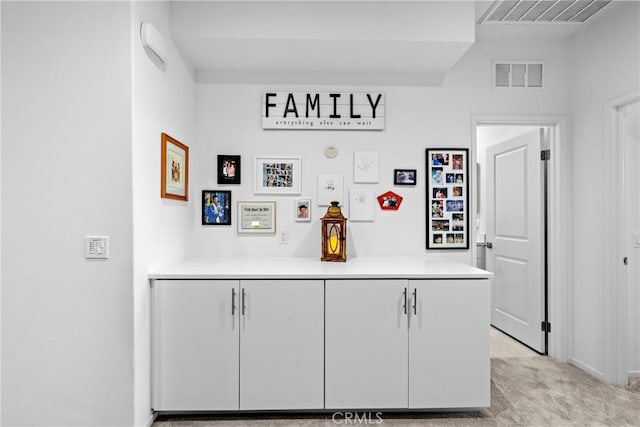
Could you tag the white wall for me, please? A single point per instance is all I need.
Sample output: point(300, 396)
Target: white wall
point(229, 122)
point(66, 172)
point(607, 53)
point(630, 130)
point(163, 101)
point(0, 214)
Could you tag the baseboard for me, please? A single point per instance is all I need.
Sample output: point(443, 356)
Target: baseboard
point(634, 374)
point(151, 419)
point(588, 369)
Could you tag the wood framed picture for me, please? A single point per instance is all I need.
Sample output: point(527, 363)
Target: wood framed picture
point(404, 176)
point(216, 207)
point(174, 167)
point(228, 169)
point(277, 175)
point(447, 198)
point(257, 217)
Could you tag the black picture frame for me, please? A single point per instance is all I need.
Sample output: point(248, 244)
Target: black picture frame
point(405, 176)
point(216, 207)
point(447, 194)
point(229, 169)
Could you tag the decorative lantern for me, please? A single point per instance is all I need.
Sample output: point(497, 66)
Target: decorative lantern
point(334, 234)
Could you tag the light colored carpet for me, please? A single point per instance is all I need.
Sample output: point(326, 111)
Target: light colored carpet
point(527, 390)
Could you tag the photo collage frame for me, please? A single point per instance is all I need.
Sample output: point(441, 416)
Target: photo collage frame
point(447, 198)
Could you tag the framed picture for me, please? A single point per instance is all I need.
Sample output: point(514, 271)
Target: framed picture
point(174, 167)
point(361, 204)
point(228, 169)
point(330, 189)
point(216, 207)
point(404, 177)
point(302, 210)
point(447, 198)
point(257, 217)
point(366, 165)
point(277, 175)
point(389, 201)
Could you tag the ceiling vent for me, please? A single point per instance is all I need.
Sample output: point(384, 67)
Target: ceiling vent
point(517, 74)
point(560, 11)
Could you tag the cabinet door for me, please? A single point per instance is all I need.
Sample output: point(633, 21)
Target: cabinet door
point(282, 344)
point(449, 361)
point(366, 344)
point(195, 345)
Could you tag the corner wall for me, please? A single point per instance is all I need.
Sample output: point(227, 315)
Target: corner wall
point(67, 338)
point(163, 101)
point(605, 65)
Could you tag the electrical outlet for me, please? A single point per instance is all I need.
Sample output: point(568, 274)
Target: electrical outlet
point(96, 247)
point(283, 237)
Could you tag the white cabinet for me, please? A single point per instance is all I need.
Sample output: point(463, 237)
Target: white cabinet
point(407, 344)
point(229, 344)
point(195, 345)
point(366, 344)
point(299, 334)
point(449, 356)
point(282, 344)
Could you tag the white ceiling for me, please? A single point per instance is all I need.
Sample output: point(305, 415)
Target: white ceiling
point(333, 41)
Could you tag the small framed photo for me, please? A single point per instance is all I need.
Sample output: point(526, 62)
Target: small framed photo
point(302, 212)
point(174, 167)
point(404, 177)
point(277, 175)
point(216, 207)
point(257, 217)
point(389, 201)
point(228, 169)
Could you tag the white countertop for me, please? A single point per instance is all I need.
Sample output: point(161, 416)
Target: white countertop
point(312, 268)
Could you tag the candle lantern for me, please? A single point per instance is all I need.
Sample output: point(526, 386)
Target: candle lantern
point(334, 234)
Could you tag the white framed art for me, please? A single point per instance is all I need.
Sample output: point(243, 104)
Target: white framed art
point(366, 166)
point(277, 175)
point(330, 188)
point(361, 204)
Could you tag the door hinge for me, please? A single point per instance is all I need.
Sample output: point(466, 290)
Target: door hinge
point(545, 155)
point(546, 326)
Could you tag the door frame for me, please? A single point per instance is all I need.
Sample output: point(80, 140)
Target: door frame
point(615, 316)
point(558, 273)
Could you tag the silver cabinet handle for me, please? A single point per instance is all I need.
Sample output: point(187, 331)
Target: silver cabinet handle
point(404, 296)
point(243, 304)
point(415, 301)
point(233, 301)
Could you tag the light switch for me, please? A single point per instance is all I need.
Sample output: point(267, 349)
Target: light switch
point(96, 247)
point(283, 237)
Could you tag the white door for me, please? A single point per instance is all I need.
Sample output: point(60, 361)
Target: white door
point(282, 344)
point(515, 230)
point(195, 345)
point(366, 361)
point(449, 352)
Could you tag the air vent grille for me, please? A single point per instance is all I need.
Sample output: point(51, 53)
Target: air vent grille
point(558, 11)
point(517, 74)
